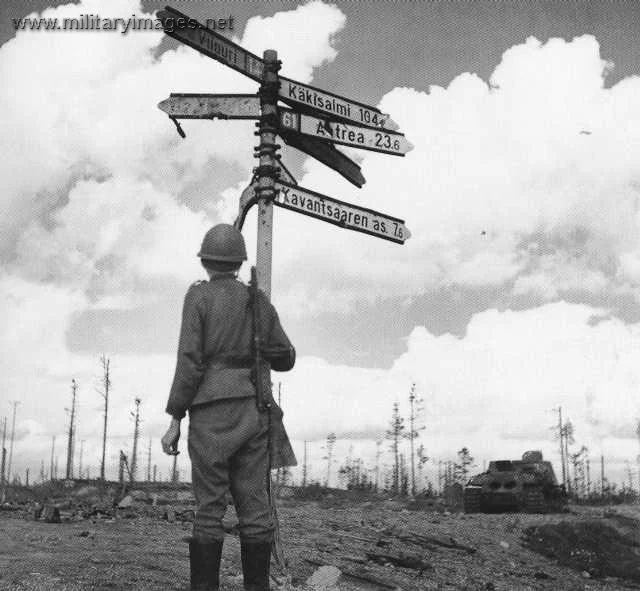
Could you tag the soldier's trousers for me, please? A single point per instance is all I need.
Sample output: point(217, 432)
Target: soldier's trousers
point(228, 447)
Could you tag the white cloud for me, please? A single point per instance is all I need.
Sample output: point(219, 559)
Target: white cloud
point(494, 390)
point(541, 154)
point(304, 37)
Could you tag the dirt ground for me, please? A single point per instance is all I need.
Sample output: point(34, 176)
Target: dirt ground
point(367, 541)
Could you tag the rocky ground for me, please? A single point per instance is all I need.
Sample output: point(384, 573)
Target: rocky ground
point(375, 545)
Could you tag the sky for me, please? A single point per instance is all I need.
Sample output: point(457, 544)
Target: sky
point(518, 291)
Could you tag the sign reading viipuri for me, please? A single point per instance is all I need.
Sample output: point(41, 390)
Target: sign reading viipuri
point(212, 44)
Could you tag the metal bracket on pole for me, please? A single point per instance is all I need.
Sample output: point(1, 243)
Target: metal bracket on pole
point(178, 127)
point(265, 172)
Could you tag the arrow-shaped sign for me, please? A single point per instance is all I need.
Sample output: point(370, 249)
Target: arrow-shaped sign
point(327, 154)
point(192, 33)
point(378, 140)
point(339, 213)
point(210, 106)
point(318, 102)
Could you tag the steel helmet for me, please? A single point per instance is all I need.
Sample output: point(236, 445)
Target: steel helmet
point(223, 243)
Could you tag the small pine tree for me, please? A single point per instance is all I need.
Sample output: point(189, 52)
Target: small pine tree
point(395, 433)
point(465, 462)
point(330, 446)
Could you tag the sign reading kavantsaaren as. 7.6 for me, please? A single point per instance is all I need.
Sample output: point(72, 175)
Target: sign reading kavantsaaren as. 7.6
point(340, 213)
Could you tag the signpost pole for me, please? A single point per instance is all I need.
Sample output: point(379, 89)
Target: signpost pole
point(266, 174)
point(266, 171)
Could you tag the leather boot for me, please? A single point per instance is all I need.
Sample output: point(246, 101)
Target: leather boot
point(205, 564)
point(256, 559)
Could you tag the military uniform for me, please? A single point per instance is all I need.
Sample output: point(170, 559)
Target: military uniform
point(214, 382)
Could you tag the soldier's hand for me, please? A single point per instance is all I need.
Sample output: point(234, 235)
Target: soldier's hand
point(170, 439)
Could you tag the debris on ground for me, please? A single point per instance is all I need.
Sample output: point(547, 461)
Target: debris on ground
point(323, 578)
point(594, 548)
point(348, 543)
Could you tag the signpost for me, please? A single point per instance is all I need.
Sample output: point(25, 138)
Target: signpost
point(319, 120)
point(340, 213)
point(211, 106)
point(337, 132)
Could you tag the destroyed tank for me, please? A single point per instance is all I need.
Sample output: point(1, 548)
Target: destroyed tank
point(527, 485)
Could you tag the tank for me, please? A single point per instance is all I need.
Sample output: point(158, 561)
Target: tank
point(526, 485)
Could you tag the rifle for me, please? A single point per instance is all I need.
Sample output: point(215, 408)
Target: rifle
point(261, 376)
point(262, 381)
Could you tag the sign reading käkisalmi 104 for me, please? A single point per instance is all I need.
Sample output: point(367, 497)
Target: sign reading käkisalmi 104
point(339, 213)
point(378, 140)
point(319, 102)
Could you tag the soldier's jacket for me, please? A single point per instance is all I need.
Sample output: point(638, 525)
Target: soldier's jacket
point(215, 349)
point(215, 353)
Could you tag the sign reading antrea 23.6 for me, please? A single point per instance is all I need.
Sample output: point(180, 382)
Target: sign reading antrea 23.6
point(378, 140)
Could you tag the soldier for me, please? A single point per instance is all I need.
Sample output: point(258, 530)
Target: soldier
point(229, 437)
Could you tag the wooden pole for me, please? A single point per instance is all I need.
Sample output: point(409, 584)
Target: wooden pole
point(106, 384)
point(562, 461)
point(304, 466)
point(71, 434)
point(51, 465)
point(266, 171)
point(412, 433)
point(4, 450)
point(81, 455)
point(149, 462)
point(12, 439)
point(136, 433)
point(266, 174)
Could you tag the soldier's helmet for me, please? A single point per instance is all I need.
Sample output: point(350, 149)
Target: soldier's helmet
point(223, 243)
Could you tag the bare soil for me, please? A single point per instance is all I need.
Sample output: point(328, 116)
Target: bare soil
point(376, 545)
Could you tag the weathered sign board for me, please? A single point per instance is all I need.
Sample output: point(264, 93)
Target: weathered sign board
point(210, 43)
point(340, 213)
point(320, 102)
point(337, 132)
point(210, 106)
point(327, 154)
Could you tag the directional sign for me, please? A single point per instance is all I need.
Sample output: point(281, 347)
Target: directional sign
point(327, 154)
point(320, 102)
point(378, 140)
point(339, 213)
point(306, 98)
point(210, 106)
point(192, 33)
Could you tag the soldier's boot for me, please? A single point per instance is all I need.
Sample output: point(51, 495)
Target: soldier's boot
point(256, 558)
point(204, 558)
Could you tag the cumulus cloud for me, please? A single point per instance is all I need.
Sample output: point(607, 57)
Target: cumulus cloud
point(103, 204)
point(527, 181)
point(493, 390)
